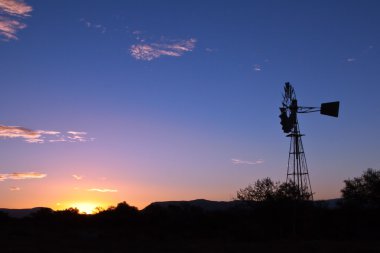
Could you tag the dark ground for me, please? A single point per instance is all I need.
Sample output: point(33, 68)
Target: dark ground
point(268, 227)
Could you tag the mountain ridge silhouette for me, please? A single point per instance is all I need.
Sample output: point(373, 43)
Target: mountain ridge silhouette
point(204, 204)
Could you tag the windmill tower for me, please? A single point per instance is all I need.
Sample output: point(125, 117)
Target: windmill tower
point(297, 171)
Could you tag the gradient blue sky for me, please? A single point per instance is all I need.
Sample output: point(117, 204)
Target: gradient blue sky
point(163, 95)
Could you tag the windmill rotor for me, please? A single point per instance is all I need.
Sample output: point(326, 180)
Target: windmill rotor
point(289, 108)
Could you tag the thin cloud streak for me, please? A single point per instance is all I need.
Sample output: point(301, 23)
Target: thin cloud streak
point(61, 139)
point(257, 67)
point(42, 136)
point(148, 52)
point(10, 12)
point(22, 175)
point(101, 190)
point(98, 27)
point(14, 189)
point(16, 131)
point(48, 132)
point(76, 133)
point(77, 136)
point(210, 50)
point(77, 177)
point(242, 162)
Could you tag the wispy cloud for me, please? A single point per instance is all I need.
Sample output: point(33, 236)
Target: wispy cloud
point(9, 28)
point(77, 177)
point(210, 50)
point(11, 11)
point(137, 32)
point(14, 189)
point(101, 190)
point(368, 49)
point(16, 131)
point(15, 7)
point(150, 51)
point(74, 136)
point(91, 25)
point(22, 175)
point(257, 67)
point(242, 162)
point(359, 56)
point(48, 132)
point(60, 139)
point(42, 136)
point(76, 133)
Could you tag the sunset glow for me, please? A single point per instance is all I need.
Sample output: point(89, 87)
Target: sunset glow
point(86, 208)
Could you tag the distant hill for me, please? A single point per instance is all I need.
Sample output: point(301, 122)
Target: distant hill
point(204, 204)
point(209, 205)
point(20, 213)
point(329, 203)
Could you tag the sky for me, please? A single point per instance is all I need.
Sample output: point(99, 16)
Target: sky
point(143, 101)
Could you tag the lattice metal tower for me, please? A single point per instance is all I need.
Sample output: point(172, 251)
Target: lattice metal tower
point(297, 166)
point(297, 171)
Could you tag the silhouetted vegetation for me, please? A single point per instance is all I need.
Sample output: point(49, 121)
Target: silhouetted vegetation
point(267, 190)
point(363, 191)
point(268, 219)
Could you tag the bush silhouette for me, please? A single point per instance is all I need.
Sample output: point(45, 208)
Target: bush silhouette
point(363, 191)
point(267, 190)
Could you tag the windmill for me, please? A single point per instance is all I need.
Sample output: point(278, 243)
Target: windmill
point(297, 172)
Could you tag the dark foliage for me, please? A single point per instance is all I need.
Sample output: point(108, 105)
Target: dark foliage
point(262, 190)
point(4, 217)
point(267, 190)
point(363, 191)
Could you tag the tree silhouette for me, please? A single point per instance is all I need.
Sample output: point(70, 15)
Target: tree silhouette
point(262, 190)
point(364, 190)
point(267, 190)
point(119, 215)
point(290, 191)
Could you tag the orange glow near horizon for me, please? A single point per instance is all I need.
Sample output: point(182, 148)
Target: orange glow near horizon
point(87, 208)
point(83, 207)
